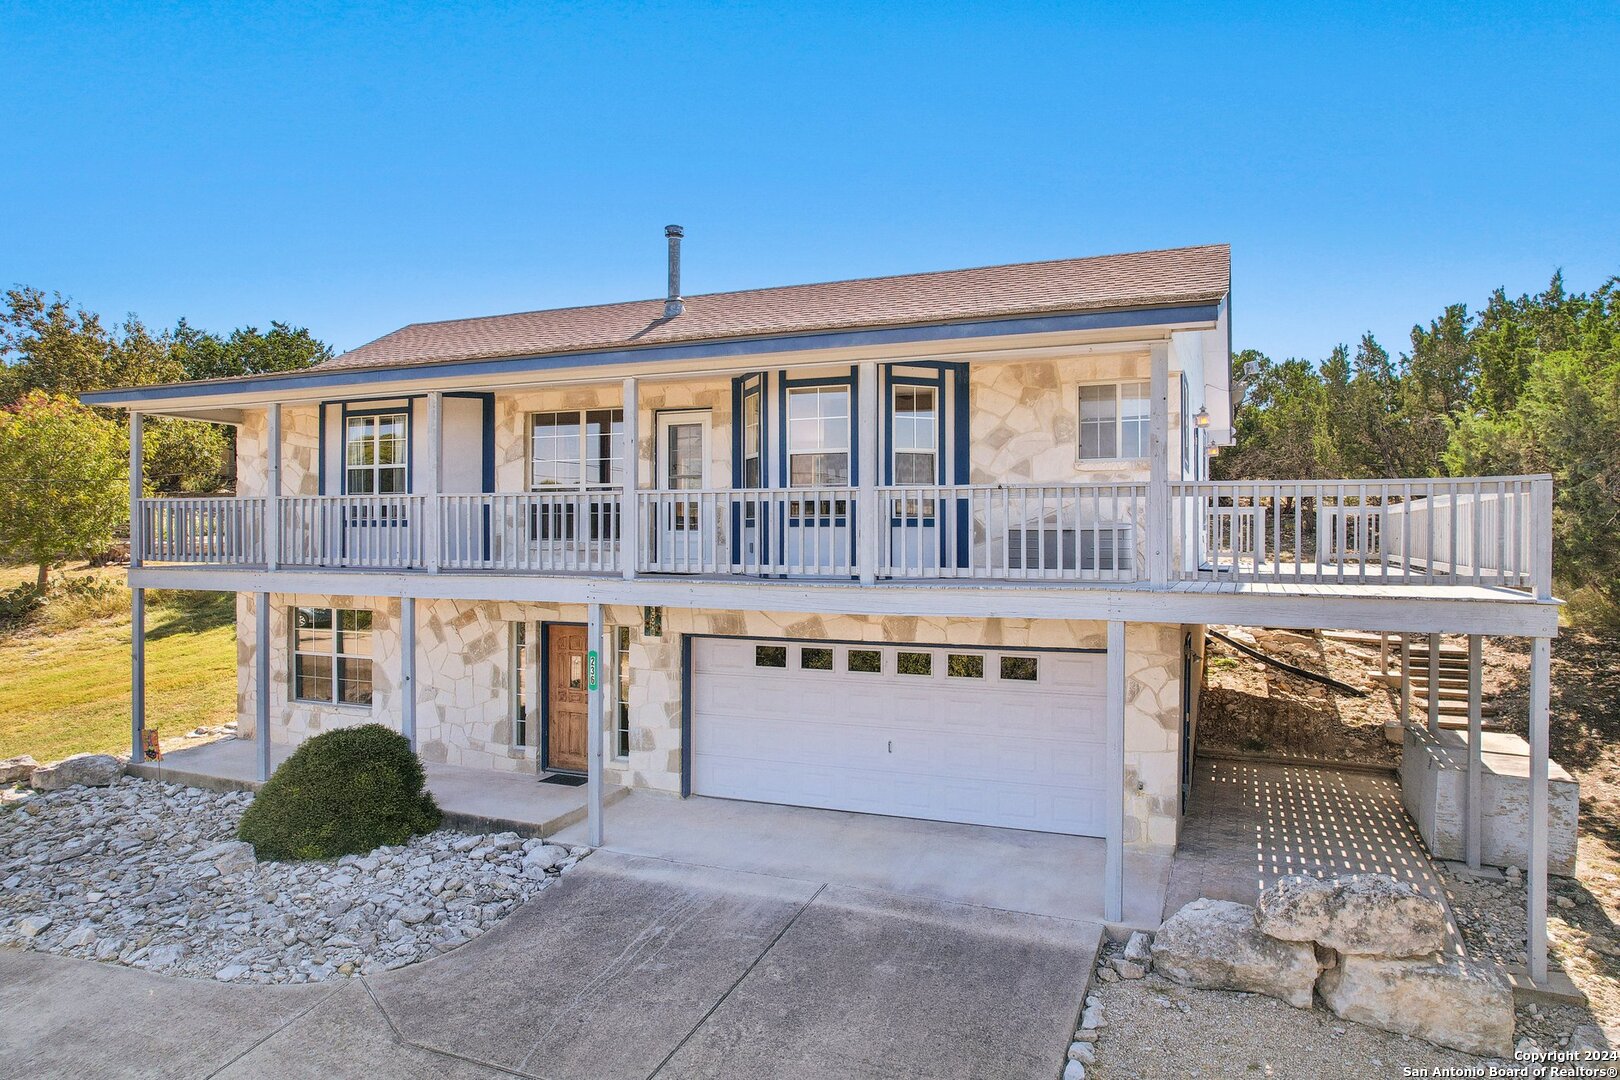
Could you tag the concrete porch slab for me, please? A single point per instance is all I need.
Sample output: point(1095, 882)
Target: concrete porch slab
point(473, 800)
point(1009, 869)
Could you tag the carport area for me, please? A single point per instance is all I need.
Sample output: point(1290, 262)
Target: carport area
point(1038, 873)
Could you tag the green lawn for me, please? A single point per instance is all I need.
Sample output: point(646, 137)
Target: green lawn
point(64, 678)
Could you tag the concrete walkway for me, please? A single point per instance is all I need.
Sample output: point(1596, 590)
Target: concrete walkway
point(1250, 823)
point(627, 968)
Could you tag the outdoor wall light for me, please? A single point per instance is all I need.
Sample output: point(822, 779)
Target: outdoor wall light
point(1202, 419)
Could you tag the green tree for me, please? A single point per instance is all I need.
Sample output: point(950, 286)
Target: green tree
point(184, 456)
point(63, 481)
point(246, 351)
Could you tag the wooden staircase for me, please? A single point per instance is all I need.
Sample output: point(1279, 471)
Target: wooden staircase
point(1451, 685)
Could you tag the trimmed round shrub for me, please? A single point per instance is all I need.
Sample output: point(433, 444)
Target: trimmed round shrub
point(342, 793)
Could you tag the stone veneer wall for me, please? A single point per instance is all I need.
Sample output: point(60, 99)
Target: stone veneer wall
point(300, 451)
point(1025, 421)
point(464, 688)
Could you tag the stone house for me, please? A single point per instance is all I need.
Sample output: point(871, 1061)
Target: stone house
point(939, 546)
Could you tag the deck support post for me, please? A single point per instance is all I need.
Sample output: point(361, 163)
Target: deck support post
point(1476, 735)
point(137, 597)
point(1434, 684)
point(1158, 498)
point(1406, 681)
point(137, 674)
point(261, 681)
point(407, 669)
point(433, 513)
point(272, 492)
point(1114, 859)
point(630, 514)
point(1536, 873)
point(868, 523)
point(593, 738)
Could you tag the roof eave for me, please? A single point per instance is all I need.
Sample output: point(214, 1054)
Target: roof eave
point(1181, 315)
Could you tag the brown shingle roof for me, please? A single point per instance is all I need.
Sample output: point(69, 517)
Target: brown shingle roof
point(1175, 276)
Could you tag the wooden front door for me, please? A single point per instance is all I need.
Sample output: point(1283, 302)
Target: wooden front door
point(567, 705)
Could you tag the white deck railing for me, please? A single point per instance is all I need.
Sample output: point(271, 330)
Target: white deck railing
point(1051, 532)
point(1467, 531)
point(1454, 531)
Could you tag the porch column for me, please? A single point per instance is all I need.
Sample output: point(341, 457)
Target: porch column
point(137, 484)
point(261, 680)
point(434, 475)
point(1406, 681)
point(137, 598)
point(1158, 499)
point(630, 512)
point(272, 495)
point(1434, 684)
point(407, 669)
point(1114, 860)
point(1536, 872)
point(137, 673)
point(868, 523)
point(1476, 733)
point(593, 738)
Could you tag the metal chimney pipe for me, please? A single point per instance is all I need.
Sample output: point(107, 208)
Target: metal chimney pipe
point(672, 303)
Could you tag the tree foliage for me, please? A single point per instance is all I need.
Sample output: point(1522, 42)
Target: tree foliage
point(1528, 385)
point(63, 481)
point(50, 345)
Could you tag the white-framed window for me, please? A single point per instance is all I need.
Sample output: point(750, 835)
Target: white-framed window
point(522, 677)
point(1113, 421)
point(579, 449)
point(621, 704)
point(332, 652)
point(753, 442)
point(376, 454)
point(915, 439)
point(818, 436)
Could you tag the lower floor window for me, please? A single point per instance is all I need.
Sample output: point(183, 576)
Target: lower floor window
point(621, 710)
point(332, 655)
point(520, 684)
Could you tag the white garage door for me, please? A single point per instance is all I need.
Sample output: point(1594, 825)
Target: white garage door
point(952, 734)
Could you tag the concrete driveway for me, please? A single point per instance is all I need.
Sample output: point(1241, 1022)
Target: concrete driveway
point(630, 967)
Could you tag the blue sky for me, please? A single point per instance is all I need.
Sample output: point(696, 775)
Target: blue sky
point(355, 169)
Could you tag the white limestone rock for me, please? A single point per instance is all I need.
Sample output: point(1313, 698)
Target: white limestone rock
point(18, 769)
point(87, 770)
point(1139, 948)
point(1447, 1001)
point(1365, 915)
point(1214, 945)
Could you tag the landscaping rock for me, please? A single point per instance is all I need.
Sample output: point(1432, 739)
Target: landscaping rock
point(1446, 1001)
point(1367, 915)
point(1214, 945)
point(153, 871)
point(1139, 948)
point(86, 770)
point(17, 769)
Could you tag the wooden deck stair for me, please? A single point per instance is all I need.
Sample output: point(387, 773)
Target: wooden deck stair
point(1452, 682)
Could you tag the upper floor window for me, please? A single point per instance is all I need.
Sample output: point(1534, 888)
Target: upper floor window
point(376, 453)
point(915, 441)
point(1114, 421)
point(578, 449)
point(818, 436)
point(332, 655)
point(753, 442)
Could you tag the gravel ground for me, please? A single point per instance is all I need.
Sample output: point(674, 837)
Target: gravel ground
point(150, 875)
